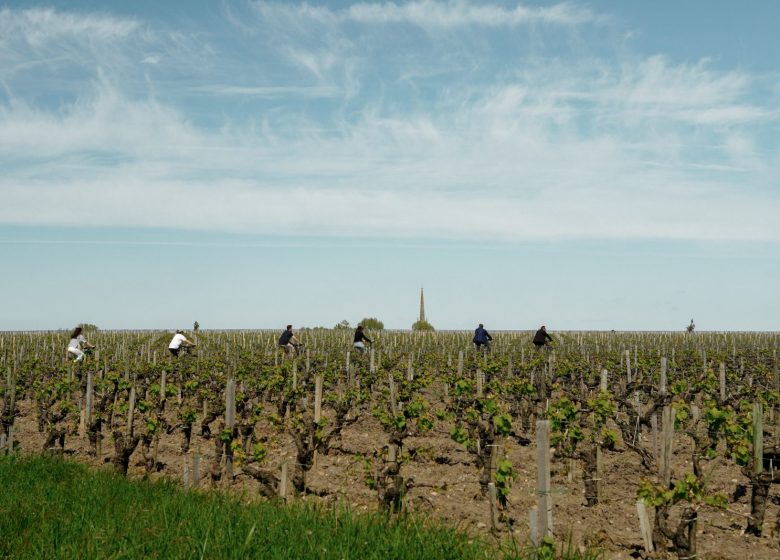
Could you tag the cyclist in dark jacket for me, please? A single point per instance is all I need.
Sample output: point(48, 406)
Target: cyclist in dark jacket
point(541, 337)
point(482, 338)
point(288, 341)
point(360, 339)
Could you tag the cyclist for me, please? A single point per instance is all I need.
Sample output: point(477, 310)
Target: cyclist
point(360, 338)
point(482, 338)
point(288, 341)
point(77, 343)
point(541, 337)
point(177, 342)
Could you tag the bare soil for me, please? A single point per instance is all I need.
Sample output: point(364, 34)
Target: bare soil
point(446, 486)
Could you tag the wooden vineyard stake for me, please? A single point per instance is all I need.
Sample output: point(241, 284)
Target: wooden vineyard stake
point(603, 384)
point(283, 481)
point(410, 371)
point(545, 519)
point(533, 525)
point(230, 404)
point(758, 438)
point(185, 474)
point(636, 360)
point(163, 379)
point(393, 397)
point(196, 469)
point(644, 526)
point(318, 398)
point(480, 377)
point(230, 424)
point(628, 366)
point(89, 400)
point(662, 383)
point(654, 435)
point(493, 501)
point(722, 377)
point(130, 412)
point(460, 363)
point(666, 450)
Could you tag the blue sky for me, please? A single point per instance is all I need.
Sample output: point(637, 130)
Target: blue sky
point(588, 165)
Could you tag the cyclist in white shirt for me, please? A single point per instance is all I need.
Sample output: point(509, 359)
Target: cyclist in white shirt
point(177, 342)
point(78, 343)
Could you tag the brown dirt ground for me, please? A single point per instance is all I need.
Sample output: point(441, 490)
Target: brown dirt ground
point(451, 492)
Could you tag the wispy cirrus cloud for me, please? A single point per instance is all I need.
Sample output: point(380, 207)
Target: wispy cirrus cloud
point(269, 91)
point(587, 146)
point(38, 27)
point(433, 15)
point(56, 38)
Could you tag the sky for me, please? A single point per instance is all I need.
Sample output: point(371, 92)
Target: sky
point(249, 164)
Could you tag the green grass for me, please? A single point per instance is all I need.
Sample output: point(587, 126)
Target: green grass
point(50, 508)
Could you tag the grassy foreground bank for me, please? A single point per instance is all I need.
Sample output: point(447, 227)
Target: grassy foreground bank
point(50, 508)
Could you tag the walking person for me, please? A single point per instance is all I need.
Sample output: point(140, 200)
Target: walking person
point(482, 338)
point(78, 343)
point(541, 337)
point(177, 342)
point(360, 339)
point(288, 341)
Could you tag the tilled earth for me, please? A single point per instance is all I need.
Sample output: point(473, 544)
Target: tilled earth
point(445, 486)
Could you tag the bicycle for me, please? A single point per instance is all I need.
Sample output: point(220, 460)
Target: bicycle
point(292, 350)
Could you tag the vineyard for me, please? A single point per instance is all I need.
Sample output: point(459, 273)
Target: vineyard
point(640, 444)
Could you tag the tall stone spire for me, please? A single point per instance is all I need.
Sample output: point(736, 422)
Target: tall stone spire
point(422, 307)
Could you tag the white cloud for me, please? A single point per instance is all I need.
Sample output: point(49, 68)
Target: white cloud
point(104, 122)
point(638, 147)
point(243, 207)
point(38, 27)
point(431, 14)
point(269, 91)
point(501, 169)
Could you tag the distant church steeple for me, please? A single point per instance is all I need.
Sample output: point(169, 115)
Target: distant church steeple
point(422, 307)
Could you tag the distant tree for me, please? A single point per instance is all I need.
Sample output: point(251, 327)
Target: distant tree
point(88, 327)
point(372, 323)
point(422, 326)
point(196, 326)
point(343, 325)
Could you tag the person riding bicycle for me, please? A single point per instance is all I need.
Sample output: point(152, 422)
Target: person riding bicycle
point(541, 337)
point(78, 343)
point(288, 341)
point(177, 342)
point(482, 338)
point(360, 338)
